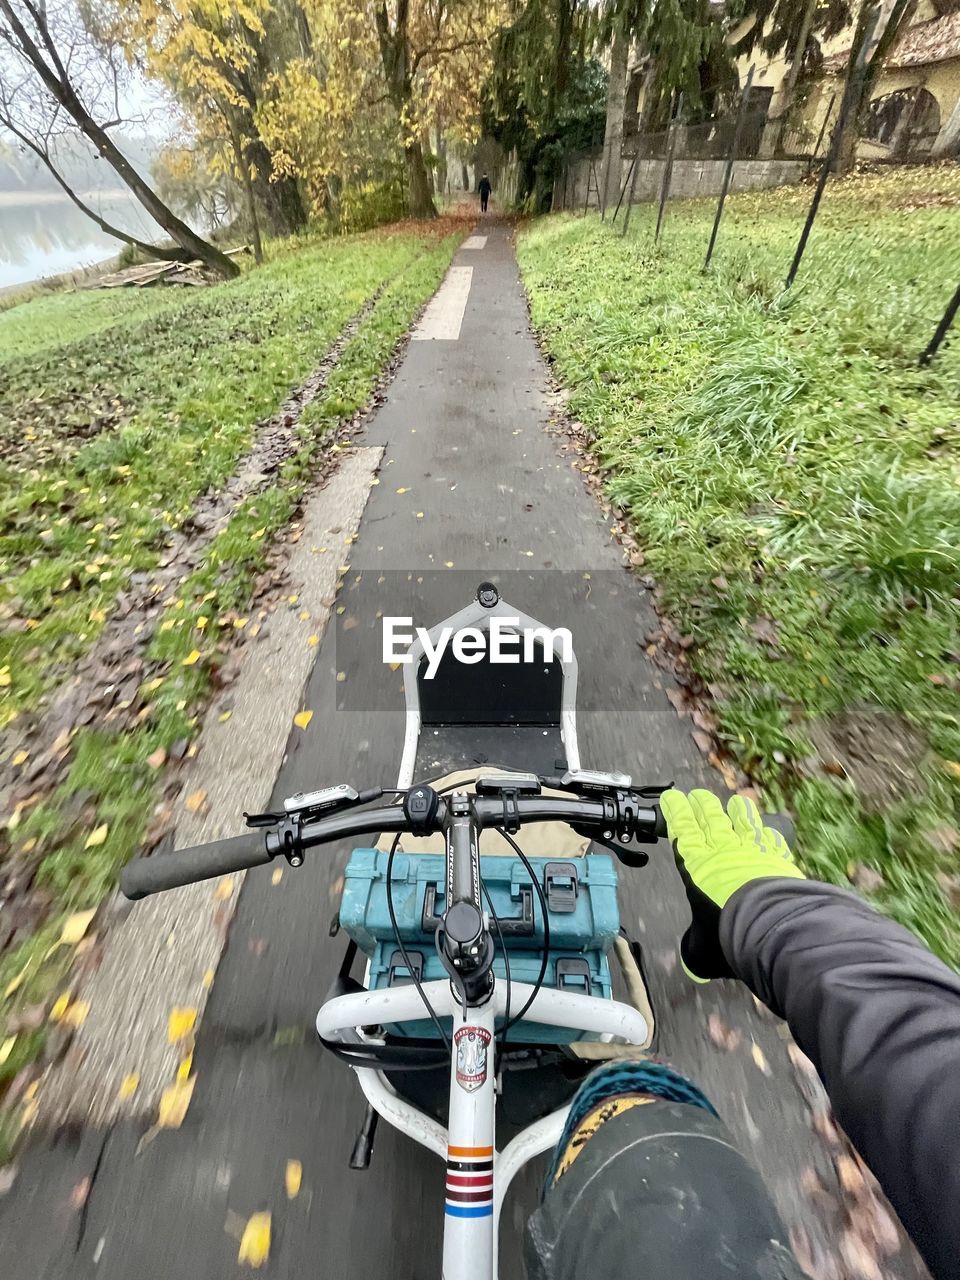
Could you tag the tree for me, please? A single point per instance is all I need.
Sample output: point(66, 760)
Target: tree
point(218, 58)
point(886, 24)
point(795, 31)
point(616, 98)
point(50, 73)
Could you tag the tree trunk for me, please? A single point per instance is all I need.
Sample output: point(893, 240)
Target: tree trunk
point(789, 86)
point(418, 190)
point(613, 133)
point(279, 196)
point(63, 92)
point(243, 165)
point(862, 73)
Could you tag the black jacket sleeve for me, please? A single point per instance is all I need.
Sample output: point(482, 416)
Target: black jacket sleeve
point(879, 1016)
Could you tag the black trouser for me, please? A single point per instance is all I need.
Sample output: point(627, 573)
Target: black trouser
point(483, 202)
point(655, 1191)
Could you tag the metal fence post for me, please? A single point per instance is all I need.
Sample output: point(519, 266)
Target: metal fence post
point(953, 306)
point(728, 171)
point(633, 188)
point(823, 130)
point(627, 183)
point(668, 167)
point(845, 105)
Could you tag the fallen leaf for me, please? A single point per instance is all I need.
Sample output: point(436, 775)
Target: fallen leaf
point(277, 875)
point(76, 1015)
point(952, 766)
point(224, 889)
point(195, 801)
point(157, 759)
point(128, 1085)
point(174, 1102)
point(866, 878)
point(255, 1241)
point(240, 623)
point(20, 757)
point(180, 1023)
point(59, 1007)
point(759, 1058)
point(207, 980)
point(6, 1048)
point(224, 716)
point(851, 1179)
point(313, 641)
point(97, 836)
point(302, 719)
point(75, 926)
point(304, 615)
point(403, 490)
point(16, 982)
point(192, 658)
point(292, 1178)
point(183, 1070)
point(80, 1193)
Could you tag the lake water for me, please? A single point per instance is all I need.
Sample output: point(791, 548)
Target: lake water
point(46, 234)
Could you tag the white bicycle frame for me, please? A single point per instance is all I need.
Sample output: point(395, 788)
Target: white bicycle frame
point(478, 1176)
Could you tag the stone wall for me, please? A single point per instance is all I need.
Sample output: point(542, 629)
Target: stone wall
point(690, 178)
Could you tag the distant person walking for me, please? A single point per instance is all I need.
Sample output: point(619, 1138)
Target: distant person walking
point(484, 189)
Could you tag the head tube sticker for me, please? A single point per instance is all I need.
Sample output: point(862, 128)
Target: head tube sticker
point(472, 1044)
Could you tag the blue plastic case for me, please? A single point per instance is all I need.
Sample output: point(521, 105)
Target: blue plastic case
point(583, 972)
point(581, 894)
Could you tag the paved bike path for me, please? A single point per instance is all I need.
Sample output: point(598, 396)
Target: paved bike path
point(485, 488)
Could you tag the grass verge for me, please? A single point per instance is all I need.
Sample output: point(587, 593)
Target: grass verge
point(791, 475)
point(114, 774)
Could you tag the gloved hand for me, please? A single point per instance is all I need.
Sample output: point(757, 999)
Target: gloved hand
point(716, 855)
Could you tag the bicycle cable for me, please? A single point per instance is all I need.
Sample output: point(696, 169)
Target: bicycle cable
point(546, 929)
point(403, 950)
point(502, 1033)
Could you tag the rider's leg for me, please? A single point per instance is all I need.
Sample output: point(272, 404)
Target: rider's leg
point(646, 1182)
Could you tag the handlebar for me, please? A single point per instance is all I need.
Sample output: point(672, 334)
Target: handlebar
point(258, 847)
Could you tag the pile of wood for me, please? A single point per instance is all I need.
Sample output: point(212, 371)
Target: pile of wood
point(147, 274)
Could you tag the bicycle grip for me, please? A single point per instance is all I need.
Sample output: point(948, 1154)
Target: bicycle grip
point(144, 876)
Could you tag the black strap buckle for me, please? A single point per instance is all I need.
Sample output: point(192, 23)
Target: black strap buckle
point(562, 884)
point(401, 974)
point(573, 972)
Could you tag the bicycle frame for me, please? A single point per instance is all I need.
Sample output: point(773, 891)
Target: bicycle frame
point(478, 1176)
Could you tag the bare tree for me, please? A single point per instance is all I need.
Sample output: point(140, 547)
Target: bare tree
point(54, 80)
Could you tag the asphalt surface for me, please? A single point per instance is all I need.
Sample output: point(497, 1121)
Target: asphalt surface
point(487, 490)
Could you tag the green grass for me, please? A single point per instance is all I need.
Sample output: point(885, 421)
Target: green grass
point(782, 457)
point(285, 317)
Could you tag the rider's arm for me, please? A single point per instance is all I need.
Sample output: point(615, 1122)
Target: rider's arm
point(879, 1016)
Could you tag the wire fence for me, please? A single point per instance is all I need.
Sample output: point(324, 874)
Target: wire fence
point(742, 148)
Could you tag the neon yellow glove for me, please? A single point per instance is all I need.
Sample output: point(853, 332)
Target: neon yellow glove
point(718, 853)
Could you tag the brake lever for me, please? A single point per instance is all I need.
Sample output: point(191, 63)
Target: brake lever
point(262, 819)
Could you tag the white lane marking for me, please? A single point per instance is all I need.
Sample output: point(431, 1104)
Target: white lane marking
point(444, 315)
point(474, 242)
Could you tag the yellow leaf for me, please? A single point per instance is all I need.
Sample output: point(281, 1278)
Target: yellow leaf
point(760, 1058)
point(302, 719)
point(195, 801)
point(97, 836)
point(183, 1071)
point(240, 623)
point(76, 1015)
point(224, 889)
point(6, 1048)
point(20, 757)
point(202, 622)
point(192, 658)
point(292, 1178)
point(97, 615)
point(259, 534)
point(225, 716)
point(180, 1023)
point(75, 926)
point(255, 1241)
point(207, 980)
point(403, 491)
point(16, 982)
point(277, 875)
point(60, 1006)
point(419, 515)
point(174, 1102)
point(952, 766)
point(128, 1086)
point(152, 685)
point(304, 615)
point(4, 677)
point(313, 641)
